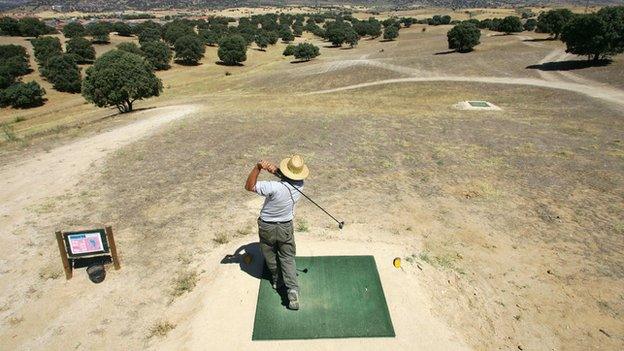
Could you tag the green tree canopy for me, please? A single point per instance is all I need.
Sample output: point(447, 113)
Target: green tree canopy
point(211, 37)
point(286, 34)
point(81, 48)
point(119, 78)
point(122, 28)
point(339, 32)
point(189, 49)
point(373, 28)
point(351, 37)
point(7, 77)
point(510, 24)
point(130, 47)
point(22, 95)
point(33, 27)
point(63, 72)
point(74, 29)
point(388, 22)
point(157, 53)
point(297, 30)
point(272, 37)
point(9, 26)
point(99, 31)
point(46, 47)
point(597, 35)
point(176, 29)
point(530, 24)
point(147, 24)
point(149, 34)
point(289, 50)
point(391, 33)
point(305, 51)
point(15, 60)
point(262, 40)
point(407, 21)
point(232, 50)
point(463, 37)
point(553, 21)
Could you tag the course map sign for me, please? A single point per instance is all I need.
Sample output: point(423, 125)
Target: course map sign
point(85, 243)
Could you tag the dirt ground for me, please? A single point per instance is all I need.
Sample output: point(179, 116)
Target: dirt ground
point(510, 223)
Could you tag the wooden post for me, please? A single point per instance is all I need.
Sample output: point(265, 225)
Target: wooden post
point(61, 245)
point(113, 248)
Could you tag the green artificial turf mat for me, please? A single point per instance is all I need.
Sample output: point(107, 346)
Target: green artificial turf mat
point(340, 297)
point(478, 104)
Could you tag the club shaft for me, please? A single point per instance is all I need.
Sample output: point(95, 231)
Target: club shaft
point(317, 205)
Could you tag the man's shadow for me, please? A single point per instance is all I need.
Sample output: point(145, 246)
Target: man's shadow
point(256, 267)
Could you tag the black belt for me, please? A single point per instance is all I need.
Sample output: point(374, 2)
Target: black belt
point(274, 222)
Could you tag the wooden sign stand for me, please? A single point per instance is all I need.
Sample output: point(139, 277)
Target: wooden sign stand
point(61, 245)
point(113, 247)
point(68, 261)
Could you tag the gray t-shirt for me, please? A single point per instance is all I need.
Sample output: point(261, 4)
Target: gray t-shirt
point(280, 200)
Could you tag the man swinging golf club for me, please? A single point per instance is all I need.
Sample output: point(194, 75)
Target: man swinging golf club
point(275, 226)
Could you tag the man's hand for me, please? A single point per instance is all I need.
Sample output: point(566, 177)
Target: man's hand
point(267, 166)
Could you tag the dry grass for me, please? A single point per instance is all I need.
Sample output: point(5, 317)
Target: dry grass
point(184, 283)
point(221, 238)
point(302, 225)
point(160, 329)
point(495, 168)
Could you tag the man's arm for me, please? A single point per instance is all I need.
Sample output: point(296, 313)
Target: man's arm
point(252, 178)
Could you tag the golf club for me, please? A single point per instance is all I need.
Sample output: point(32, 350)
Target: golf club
point(279, 174)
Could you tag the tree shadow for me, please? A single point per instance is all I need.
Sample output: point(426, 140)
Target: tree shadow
point(187, 63)
point(299, 61)
point(258, 49)
point(569, 65)
point(385, 40)
point(331, 46)
point(221, 63)
point(445, 52)
point(539, 39)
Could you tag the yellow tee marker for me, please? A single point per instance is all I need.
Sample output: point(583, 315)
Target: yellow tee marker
point(397, 262)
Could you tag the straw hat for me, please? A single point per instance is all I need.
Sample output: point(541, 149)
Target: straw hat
point(294, 168)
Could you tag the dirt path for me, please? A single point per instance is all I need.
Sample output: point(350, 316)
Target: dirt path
point(612, 95)
point(50, 174)
point(563, 80)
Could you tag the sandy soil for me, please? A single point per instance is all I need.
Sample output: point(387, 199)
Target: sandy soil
point(28, 184)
